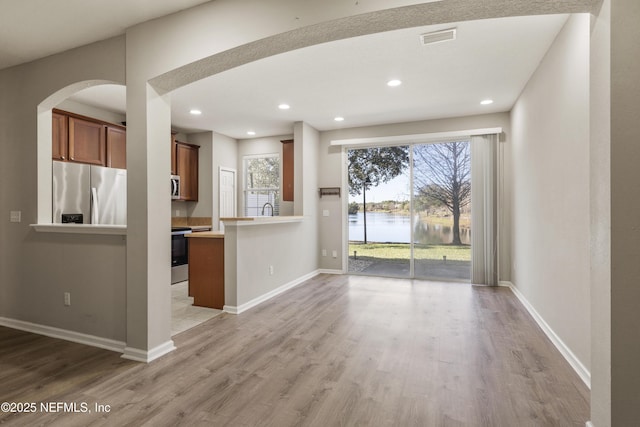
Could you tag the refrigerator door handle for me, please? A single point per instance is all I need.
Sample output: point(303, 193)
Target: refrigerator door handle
point(94, 205)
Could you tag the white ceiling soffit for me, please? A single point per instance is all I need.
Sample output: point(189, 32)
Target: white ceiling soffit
point(32, 29)
point(488, 59)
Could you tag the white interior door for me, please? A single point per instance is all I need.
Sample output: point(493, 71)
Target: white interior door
point(227, 192)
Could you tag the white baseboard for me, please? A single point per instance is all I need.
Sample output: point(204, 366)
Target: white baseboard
point(232, 309)
point(575, 363)
point(147, 356)
point(329, 271)
point(64, 334)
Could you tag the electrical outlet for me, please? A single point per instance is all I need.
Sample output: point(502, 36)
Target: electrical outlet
point(324, 252)
point(325, 212)
point(271, 270)
point(67, 299)
point(15, 216)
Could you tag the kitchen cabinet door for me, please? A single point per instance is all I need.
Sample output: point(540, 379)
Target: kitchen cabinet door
point(116, 147)
point(59, 136)
point(287, 170)
point(87, 142)
point(174, 167)
point(206, 271)
point(187, 168)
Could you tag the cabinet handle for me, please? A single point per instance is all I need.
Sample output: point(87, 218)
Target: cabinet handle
point(72, 158)
point(62, 158)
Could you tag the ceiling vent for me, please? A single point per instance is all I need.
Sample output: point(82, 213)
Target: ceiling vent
point(438, 36)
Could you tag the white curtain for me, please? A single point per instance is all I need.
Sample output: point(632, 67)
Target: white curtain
point(484, 223)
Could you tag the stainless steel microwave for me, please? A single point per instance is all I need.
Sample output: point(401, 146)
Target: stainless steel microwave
point(175, 187)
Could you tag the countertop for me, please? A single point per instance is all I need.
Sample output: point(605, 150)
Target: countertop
point(260, 220)
point(199, 228)
point(206, 235)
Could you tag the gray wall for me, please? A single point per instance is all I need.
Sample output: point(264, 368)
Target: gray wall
point(225, 154)
point(204, 206)
point(37, 268)
point(625, 211)
point(550, 239)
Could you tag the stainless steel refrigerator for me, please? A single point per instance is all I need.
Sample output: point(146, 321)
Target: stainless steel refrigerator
point(89, 194)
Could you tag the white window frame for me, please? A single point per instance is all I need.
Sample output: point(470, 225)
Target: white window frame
point(246, 189)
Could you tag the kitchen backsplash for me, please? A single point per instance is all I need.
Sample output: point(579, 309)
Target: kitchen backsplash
point(190, 221)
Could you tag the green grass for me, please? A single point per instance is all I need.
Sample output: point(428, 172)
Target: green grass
point(400, 251)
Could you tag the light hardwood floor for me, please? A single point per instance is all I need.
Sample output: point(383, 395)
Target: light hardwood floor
point(335, 351)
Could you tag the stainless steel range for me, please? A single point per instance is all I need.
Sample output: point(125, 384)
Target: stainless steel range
point(179, 254)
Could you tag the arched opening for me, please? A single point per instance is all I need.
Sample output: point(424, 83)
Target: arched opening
point(45, 139)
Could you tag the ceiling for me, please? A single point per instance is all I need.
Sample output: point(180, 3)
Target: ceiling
point(32, 29)
point(490, 59)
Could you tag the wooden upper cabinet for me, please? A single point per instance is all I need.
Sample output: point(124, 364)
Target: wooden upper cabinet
point(116, 147)
point(83, 139)
point(187, 168)
point(87, 142)
point(174, 167)
point(287, 170)
point(60, 136)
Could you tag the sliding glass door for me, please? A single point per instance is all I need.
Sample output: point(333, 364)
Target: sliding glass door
point(410, 211)
point(442, 210)
point(379, 211)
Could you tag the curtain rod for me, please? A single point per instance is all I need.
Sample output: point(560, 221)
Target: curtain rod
point(417, 138)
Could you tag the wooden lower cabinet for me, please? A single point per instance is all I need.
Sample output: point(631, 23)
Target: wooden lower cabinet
point(206, 271)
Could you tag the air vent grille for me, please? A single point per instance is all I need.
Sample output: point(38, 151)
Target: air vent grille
point(438, 36)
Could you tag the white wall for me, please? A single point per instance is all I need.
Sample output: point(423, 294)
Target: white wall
point(600, 215)
point(550, 160)
point(91, 111)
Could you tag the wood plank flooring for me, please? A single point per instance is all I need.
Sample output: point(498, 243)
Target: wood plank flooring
point(335, 351)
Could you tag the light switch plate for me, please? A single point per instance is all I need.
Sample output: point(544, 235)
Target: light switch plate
point(325, 212)
point(15, 216)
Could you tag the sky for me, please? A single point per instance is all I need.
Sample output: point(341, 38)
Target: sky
point(397, 189)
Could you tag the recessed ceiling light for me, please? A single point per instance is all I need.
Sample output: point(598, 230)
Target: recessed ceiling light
point(250, 132)
point(195, 112)
point(394, 83)
point(486, 102)
point(339, 119)
point(284, 106)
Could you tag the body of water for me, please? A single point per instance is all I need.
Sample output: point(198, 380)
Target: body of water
point(389, 227)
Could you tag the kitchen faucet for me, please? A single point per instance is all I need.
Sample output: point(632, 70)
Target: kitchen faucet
point(265, 205)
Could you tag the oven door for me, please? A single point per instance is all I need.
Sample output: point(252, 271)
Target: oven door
point(179, 248)
point(179, 256)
